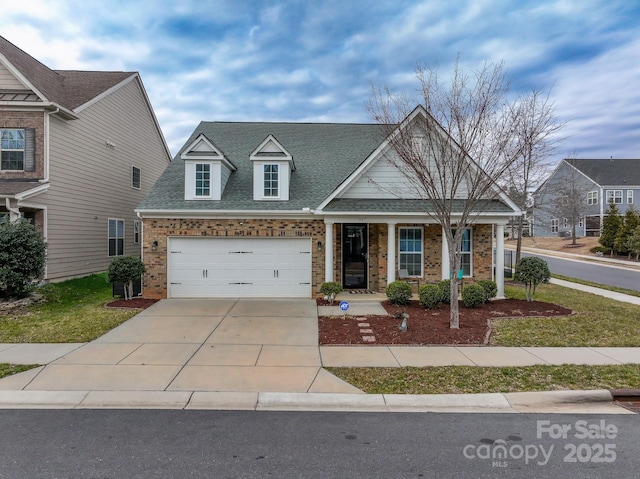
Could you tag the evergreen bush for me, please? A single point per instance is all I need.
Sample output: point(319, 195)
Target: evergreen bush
point(22, 258)
point(430, 296)
point(473, 295)
point(399, 292)
point(445, 290)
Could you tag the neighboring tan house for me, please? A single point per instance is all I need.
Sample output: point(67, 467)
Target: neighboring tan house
point(276, 209)
point(79, 150)
point(597, 183)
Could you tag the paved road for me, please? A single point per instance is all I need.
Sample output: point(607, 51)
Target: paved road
point(236, 444)
point(591, 271)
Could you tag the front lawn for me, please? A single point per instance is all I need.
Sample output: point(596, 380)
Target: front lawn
point(7, 369)
point(598, 321)
point(73, 312)
point(476, 379)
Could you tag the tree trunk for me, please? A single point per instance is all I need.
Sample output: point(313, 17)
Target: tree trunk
point(454, 267)
point(573, 233)
point(519, 240)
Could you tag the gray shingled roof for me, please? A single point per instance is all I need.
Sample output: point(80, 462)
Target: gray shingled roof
point(13, 187)
point(324, 154)
point(609, 172)
point(69, 89)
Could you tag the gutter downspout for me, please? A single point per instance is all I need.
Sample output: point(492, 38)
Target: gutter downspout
point(47, 127)
point(14, 213)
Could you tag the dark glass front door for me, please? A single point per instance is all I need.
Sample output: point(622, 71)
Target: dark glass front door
point(354, 256)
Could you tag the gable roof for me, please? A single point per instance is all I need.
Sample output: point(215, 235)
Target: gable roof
point(66, 88)
point(609, 172)
point(325, 154)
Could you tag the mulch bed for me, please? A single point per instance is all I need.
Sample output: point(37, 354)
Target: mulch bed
point(431, 326)
point(135, 303)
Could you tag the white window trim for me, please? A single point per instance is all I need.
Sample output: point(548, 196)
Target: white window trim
point(614, 194)
point(629, 197)
point(23, 149)
point(470, 253)
point(555, 224)
point(109, 220)
point(278, 176)
point(421, 275)
point(592, 197)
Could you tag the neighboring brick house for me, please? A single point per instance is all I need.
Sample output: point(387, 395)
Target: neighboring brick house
point(597, 182)
point(276, 209)
point(79, 150)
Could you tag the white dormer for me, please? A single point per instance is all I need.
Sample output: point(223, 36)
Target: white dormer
point(206, 170)
point(272, 167)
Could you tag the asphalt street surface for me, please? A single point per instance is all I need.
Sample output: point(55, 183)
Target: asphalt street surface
point(237, 444)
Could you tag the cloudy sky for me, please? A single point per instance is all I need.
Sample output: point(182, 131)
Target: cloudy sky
point(315, 60)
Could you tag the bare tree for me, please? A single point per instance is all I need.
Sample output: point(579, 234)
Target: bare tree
point(536, 128)
point(451, 149)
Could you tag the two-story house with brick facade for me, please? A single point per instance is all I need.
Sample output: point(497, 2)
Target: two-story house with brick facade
point(276, 209)
point(78, 151)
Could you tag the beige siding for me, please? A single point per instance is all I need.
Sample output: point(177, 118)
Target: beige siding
point(8, 81)
point(91, 181)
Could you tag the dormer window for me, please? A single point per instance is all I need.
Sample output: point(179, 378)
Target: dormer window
point(271, 181)
point(206, 170)
point(272, 167)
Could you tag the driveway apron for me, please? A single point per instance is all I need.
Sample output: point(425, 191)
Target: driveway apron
point(233, 345)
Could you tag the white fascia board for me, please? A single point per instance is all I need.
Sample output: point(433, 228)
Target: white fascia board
point(241, 214)
point(32, 192)
point(209, 159)
point(578, 170)
point(288, 157)
point(21, 78)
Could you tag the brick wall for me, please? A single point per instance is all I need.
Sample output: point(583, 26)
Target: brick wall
point(26, 119)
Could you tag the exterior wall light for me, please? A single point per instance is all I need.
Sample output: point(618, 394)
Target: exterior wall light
point(154, 246)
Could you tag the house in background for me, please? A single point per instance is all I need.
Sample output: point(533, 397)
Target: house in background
point(598, 182)
point(79, 150)
point(276, 209)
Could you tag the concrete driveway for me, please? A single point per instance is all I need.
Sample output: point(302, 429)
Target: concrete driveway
point(190, 345)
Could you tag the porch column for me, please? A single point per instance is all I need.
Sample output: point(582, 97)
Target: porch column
point(500, 261)
point(328, 252)
point(391, 252)
point(445, 273)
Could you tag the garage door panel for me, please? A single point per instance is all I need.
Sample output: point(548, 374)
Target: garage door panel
point(249, 267)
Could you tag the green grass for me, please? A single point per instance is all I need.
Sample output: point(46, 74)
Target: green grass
point(73, 312)
point(9, 369)
point(597, 321)
point(630, 292)
point(475, 379)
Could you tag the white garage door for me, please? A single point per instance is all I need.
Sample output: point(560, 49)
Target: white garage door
point(239, 267)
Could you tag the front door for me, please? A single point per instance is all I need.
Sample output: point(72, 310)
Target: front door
point(355, 254)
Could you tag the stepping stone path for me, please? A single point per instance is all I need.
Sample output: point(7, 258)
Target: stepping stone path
point(366, 331)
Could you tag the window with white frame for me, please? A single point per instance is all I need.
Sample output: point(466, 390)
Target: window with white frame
point(271, 189)
point(410, 250)
point(614, 196)
point(135, 177)
point(581, 222)
point(12, 143)
point(629, 197)
point(554, 225)
point(465, 253)
point(116, 237)
point(203, 179)
point(136, 232)
point(566, 222)
point(592, 198)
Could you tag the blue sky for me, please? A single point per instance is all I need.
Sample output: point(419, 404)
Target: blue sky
point(315, 60)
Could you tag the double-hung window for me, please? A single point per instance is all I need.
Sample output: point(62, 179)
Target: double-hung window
point(136, 231)
point(12, 143)
point(271, 189)
point(203, 179)
point(410, 250)
point(135, 177)
point(116, 237)
point(592, 198)
point(554, 225)
point(466, 253)
point(629, 197)
point(614, 196)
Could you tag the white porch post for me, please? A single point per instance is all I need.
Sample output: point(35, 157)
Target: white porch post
point(500, 261)
point(328, 251)
point(391, 252)
point(446, 274)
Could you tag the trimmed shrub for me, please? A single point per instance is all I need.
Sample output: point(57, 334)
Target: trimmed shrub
point(473, 296)
point(22, 257)
point(125, 269)
point(600, 249)
point(445, 290)
point(330, 289)
point(399, 292)
point(532, 271)
point(430, 296)
point(490, 288)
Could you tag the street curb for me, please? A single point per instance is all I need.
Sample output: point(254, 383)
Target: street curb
point(575, 401)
